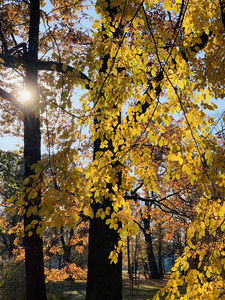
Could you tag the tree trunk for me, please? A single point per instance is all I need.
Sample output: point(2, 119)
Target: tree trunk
point(67, 248)
point(150, 253)
point(160, 252)
point(128, 258)
point(34, 265)
point(104, 279)
point(135, 259)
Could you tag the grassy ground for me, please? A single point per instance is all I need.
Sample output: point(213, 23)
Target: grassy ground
point(145, 290)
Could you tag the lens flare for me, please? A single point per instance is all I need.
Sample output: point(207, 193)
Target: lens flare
point(24, 95)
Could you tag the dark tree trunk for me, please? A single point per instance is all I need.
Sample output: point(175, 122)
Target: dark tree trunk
point(128, 258)
point(135, 259)
point(160, 252)
point(67, 248)
point(104, 279)
point(150, 253)
point(34, 265)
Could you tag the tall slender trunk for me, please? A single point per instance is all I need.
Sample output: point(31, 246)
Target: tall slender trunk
point(35, 281)
point(150, 253)
point(128, 258)
point(135, 259)
point(160, 251)
point(67, 248)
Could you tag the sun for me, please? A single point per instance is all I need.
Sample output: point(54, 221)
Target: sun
point(24, 95)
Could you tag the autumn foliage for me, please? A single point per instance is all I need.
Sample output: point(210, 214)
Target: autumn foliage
point(138, 142)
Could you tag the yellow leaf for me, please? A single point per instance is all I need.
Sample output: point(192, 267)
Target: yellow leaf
point(53, 66)
point(34, 195)
point(153, 72)
point(222, 227)
point(13, 212)
point(180, 84)
point(26, 181)
point(190, 244)
point(108, 221)
point(91, 213)
point(207, 31)
point(34, 222)
point(208, 274)
point(102, 216)
point(160, 143)
point(91, 84)
point(28, 227)
point(64, 67)
point(181, 161)
point(135, 23)
point(187, 169)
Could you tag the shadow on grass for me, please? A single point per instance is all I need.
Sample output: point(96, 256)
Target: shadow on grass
point(69, 290)
point(146, 289)
point(76, 290)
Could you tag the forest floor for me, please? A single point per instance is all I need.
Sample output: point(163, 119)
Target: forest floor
point(143, 289)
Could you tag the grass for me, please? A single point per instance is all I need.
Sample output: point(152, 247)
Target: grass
point(146, 289)
point(76, 290)
point(71, 290)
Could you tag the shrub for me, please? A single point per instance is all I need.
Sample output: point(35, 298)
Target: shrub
point(12, 281)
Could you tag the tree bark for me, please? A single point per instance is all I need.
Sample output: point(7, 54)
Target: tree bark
point(104, 279)
point(67, 248)
point(34, 264)
point(160, 252)
point(128, 258)
point(150, 253)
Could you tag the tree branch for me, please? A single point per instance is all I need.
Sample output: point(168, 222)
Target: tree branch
point(10, 61)
point(54, 66)
point(7, 96)
point(198, 46)
point(222, 9)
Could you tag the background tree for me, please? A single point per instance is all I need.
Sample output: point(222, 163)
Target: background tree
point(11, 175)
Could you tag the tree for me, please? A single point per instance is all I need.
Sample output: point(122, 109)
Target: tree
point(145, 61)
point(11, 177)
point(27, 56)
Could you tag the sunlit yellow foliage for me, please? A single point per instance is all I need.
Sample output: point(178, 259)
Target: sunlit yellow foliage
point(151, 70)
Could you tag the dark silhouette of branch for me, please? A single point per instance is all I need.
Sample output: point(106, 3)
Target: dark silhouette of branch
point(9, 97)
point(12, 61)
point(222, 9)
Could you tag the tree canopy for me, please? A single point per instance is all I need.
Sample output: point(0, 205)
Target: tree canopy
point(151, 72)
